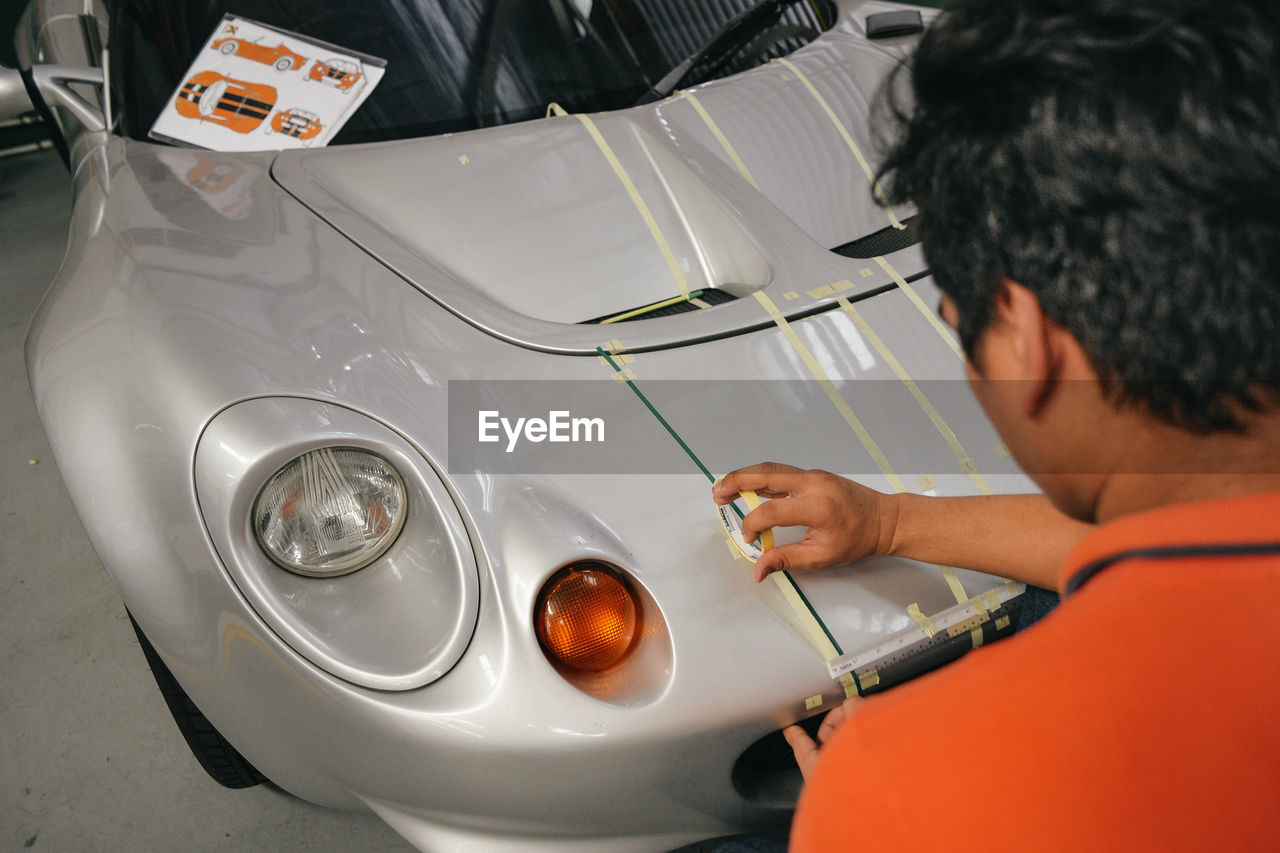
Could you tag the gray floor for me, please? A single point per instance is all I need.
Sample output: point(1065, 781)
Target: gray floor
point(89, 757)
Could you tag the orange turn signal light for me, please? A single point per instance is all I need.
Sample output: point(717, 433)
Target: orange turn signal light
point(587, 617)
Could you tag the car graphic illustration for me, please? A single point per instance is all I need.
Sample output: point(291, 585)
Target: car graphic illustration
point(279, 57)
point(341, 74)
point(235, 104)
point(297, 123)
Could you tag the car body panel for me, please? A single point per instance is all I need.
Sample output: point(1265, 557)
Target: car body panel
point(173, 317)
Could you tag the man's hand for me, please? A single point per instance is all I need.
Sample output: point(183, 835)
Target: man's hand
point(805, 747)
point(845, 521)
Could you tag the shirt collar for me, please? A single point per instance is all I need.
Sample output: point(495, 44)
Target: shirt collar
point(1230, 521)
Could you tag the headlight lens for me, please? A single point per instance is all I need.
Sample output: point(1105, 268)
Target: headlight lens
point(330, 511)
point(587, 617)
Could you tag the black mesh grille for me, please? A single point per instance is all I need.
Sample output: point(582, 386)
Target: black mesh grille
point(886, 241)
point(711, 297)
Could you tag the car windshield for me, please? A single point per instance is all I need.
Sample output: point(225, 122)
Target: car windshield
point(456, 65)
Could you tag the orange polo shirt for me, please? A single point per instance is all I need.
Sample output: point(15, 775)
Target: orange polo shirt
point(1142, 714)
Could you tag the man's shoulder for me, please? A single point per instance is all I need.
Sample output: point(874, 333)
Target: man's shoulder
point(1097, 712)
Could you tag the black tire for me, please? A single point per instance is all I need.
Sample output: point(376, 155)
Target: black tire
point(216, 755)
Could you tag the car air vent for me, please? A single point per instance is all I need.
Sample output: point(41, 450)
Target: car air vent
point(710, 297)
point(883, 242)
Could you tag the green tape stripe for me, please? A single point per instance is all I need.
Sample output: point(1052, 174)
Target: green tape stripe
point(703, 468)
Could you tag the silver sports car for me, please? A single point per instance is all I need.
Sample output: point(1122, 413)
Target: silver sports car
point(399, 449)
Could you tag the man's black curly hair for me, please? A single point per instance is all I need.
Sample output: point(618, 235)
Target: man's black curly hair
point(1120, 159)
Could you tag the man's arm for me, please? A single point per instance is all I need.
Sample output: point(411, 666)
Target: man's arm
point(1015, 536)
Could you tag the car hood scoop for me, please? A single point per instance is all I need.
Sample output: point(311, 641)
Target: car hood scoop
point(531, 229)
point(536, 218)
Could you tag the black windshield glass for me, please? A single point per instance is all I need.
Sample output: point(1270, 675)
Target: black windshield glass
point(456, 65)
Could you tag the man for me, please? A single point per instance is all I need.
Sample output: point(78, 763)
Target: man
point(1099, 192)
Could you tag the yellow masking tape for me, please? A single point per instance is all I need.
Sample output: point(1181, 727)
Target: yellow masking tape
point(720, 137)
point(926, 483)
point(464, 159)
point(842, 406)
point(953, 581)
point(626, 315)
point(870, 679)
point(967, 465)
point(813, 702)
point(623, 375)
point(850, 684)
point(931, 315)
point(614, 347)
point(752, 500)
point(790, 294)
point(853, 146)
point(1002, 623)
point(925, 623)
point(700, 304)
point(866, 272)
point(554, 109)
point(1012, 586)
point(993, 599)
point(817, 637)
point(618, 169)
point(819, 292)
point(621, 358)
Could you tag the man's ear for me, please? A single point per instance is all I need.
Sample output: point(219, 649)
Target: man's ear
point(1031, 339)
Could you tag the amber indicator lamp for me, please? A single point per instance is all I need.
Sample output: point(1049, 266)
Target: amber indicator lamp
point(587, 617)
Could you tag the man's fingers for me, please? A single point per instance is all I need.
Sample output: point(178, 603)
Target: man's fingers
point(784, 557)
point(783, 512)
point(767, 477)
point(803, 746)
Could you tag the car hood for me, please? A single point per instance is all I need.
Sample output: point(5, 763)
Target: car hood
point(529, 231)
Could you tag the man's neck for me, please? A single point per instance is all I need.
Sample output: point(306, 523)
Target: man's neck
point(1167, 465)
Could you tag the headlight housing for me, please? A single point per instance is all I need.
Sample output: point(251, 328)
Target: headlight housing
point(330, 511)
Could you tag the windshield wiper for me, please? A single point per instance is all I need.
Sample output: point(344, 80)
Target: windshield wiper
point(721, 47)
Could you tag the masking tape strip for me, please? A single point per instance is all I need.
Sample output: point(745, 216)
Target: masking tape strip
point(975, 633)
point(638, 201)
point(720, 137)
point(1002, 623)
point(953, 581)
point(653, 306)
point(699, 303)
point(925, 623)
point(554, 109)
point(853, 146)
point(829, 387)
point(849, 681)
point(813, 702)
point(752, 500)
point(929, 313)
point(967, 465)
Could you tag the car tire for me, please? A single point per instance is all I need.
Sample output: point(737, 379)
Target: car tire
point(216, 755)
point(228, 48)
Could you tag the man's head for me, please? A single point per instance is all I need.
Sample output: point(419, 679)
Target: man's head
point(1121, 160)
point(1118, 161)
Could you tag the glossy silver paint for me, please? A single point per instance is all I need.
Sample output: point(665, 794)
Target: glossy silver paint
point(201, 333)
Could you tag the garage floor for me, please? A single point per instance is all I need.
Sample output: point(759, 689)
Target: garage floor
point(89, 757)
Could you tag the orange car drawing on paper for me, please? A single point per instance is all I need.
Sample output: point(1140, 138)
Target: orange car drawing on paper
point(279, 57)
point(297, 123)
point(235, 104)
point(341, 74)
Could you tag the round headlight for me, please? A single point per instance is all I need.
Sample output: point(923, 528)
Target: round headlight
point(330, 511)
point(587, 617)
